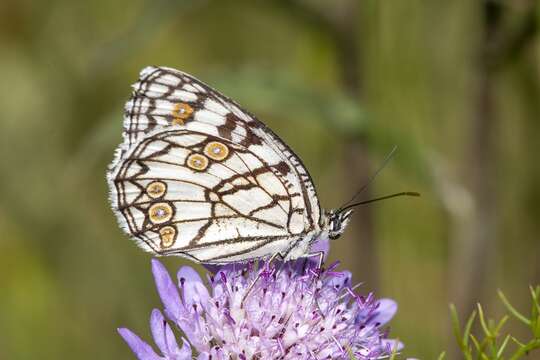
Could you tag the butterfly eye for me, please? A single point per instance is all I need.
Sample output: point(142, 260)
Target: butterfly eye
point(216, 150)
point(156, 189)
point(336, 224)
point(167, 234)
point(160, 213)
point(197, 162)
point(181, 112)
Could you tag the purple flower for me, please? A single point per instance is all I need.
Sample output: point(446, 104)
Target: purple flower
point(287, 311)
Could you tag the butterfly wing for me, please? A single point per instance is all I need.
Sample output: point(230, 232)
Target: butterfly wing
point(178, 191)
point(167, 100)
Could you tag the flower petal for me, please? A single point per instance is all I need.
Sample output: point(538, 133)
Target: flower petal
point(340, 280)
point(158, 326)
point(194, 290)
point(165, 339)
point(185, 352)
point(392, 345)
point(142, 350)
point(386, 310)
point(321, 245)
point(170, 340)
point(167, 290)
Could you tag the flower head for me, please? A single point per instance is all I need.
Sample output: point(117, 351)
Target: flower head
point(289, 311)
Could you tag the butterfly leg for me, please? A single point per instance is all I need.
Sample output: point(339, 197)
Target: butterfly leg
point(317, 273)
point(264, 272)
point(274, 257)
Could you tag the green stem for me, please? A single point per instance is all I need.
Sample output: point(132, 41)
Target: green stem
point(522, 351)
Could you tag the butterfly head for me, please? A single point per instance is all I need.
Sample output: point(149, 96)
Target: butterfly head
point(337, 222)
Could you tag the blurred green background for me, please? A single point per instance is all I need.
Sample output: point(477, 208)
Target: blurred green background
point(454, 84)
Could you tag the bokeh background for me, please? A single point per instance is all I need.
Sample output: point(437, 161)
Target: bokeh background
point(454, 84)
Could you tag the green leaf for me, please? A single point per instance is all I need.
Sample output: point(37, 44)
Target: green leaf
point(486, 329)
point(503, 346)
point(456, 326)
point(476, 343)
point(501, 323)
point(512, 310)
point(519, 343)
point(486, 347)
point(468, 326)
point(535, 311)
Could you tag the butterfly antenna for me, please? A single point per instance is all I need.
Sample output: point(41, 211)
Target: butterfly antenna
point(373, 176)
point(404, 193)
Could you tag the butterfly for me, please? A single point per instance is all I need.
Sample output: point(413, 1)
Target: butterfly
point(198, 176)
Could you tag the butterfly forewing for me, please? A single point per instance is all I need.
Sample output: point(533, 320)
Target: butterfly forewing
point(165, 96)
point(199, 176)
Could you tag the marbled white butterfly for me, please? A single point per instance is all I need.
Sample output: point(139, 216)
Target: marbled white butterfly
point(199, 177)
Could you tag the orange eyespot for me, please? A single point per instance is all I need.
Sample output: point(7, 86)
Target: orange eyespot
point(197, 162)
point(180, 113)
point(156, 189)
point(216, 150)
point(160, 213)
point(167, 234)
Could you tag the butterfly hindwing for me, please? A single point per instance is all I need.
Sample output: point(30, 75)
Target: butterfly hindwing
point(179, 191)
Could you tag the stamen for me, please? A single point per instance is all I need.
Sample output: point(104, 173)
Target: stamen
point(223, 277)
point(332, 266)
point(227, 314)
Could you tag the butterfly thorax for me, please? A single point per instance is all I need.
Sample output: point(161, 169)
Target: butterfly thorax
point(331, 225)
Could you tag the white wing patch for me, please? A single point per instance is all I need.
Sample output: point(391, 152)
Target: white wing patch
point(239, 198)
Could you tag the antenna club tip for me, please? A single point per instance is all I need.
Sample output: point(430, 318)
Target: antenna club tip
point(412, 193)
